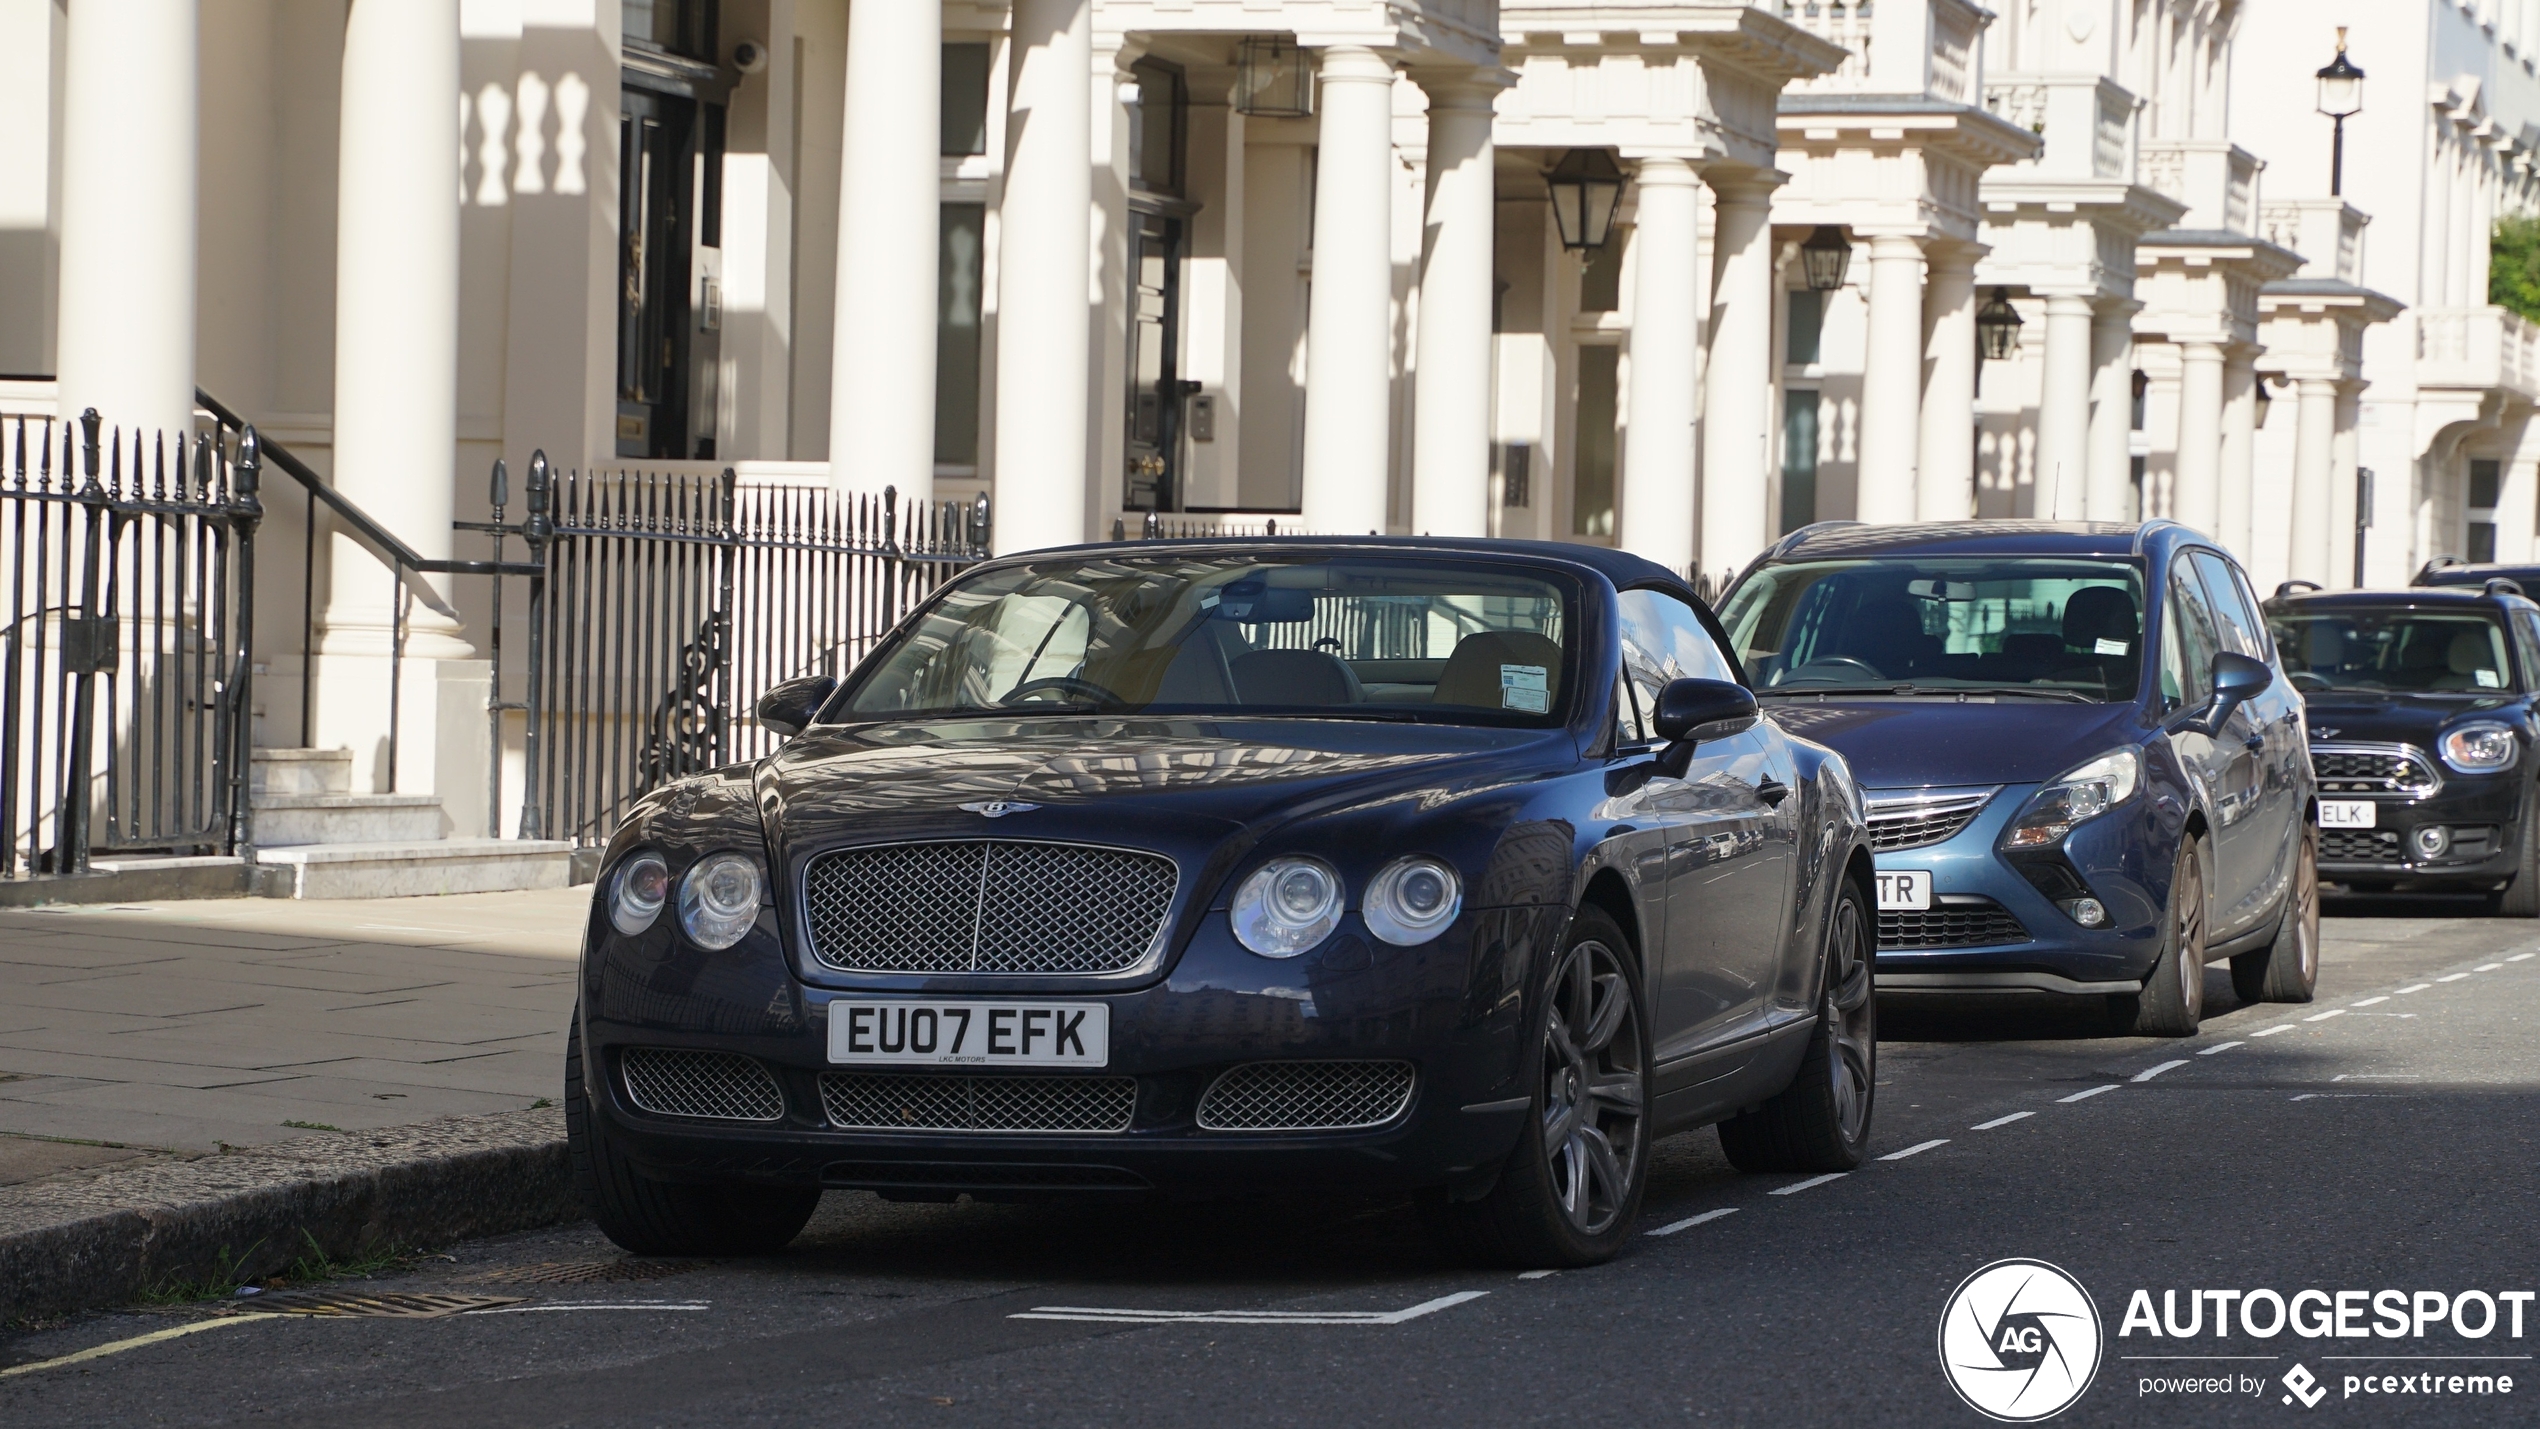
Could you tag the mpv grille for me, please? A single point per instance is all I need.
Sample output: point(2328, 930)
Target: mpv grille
point(888, 1102)
point(1918, 822)
point(2400, 769)
point(1306, 1096)
point(672, 1081)
point(986, 906)
point(1959, 922)
point(2361, 846)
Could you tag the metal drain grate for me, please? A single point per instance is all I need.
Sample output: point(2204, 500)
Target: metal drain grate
point(370, 1305)
point(582, 1272)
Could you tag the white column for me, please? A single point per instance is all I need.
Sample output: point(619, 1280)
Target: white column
point(1891, 382)
point(1349, 318)
point(882, 351)
point(2346, 414)
point(1450, 406)
point(2063, 418)
point(1044, 248)
point(2110, 478)
point(126, 344)
point(2314, 437)
point(2236, 526)
point(1945, 476)
point(1657, 511)
point(1737, 396)
point(2196, 494)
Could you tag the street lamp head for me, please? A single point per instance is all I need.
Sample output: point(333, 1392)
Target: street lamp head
point(1825, 256)
point(2341, 84)
point(1273, 79)
point(1998, 327)
point(1587, 187)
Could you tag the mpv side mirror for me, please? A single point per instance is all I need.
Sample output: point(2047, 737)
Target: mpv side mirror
point(2237, 680)
point(790, 707)
point(1692, 711)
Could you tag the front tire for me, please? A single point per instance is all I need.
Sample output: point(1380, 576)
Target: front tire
point(2172, 1002)
point(1572, 1187)
point(2288, 969)
point(649, 1217)
point(2521, 898)
point(1821, 1121)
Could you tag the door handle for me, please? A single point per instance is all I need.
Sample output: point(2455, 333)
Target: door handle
point(1772, 792)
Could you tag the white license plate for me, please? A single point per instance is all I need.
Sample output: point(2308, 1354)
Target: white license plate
point(971, 1034)
point(2349, 814)
point(1905, 890)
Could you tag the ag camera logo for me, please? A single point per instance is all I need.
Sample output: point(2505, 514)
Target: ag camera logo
point(2020, 1341)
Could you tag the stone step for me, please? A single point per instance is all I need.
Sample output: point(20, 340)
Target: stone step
point(394, 869)
point(300, 771)
point(289, 819)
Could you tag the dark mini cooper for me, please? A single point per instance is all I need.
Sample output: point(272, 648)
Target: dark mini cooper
point(1462, 869)
point(2084, 768)
point(2421, 724)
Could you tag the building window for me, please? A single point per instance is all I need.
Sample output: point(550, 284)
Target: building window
point(1592, 484)
point(965, 100)
point(1799, 453)
point(1517, 475)
point(2486, 482)
point(679, 27)
point(2135, 468)
point(1807, 326)
point(1156, 128)
point(1601, 280)
point(957, 275)
point(2142, 385)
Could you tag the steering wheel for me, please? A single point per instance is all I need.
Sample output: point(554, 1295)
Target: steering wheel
point(2307, 682)
point(1329, 643)
point(1830, 665)
point(1063, 684)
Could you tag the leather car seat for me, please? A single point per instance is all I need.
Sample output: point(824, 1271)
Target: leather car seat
point(2466, 658)
point(1295, 677)
point(1471, 675)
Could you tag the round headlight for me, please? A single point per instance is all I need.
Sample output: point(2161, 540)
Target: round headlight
point(2479, 748)
point(1287, 906)
point(643, 885)
point(1411, 900)
point(718, 900)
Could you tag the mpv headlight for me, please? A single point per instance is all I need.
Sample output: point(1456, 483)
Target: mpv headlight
point(718, 900)
point(2480, 748)
point(2081, 794)
point(1287, 906)
point(1411, 900)
point(641, 888)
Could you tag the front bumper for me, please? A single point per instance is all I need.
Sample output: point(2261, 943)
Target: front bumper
point(2482, 816)
point(1452, 1008)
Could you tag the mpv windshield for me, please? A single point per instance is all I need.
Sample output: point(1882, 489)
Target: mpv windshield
point(2405, 650)
point(1239, 635)
point(2053, 628)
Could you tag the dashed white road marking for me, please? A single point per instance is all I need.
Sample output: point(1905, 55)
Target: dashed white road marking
point(2324, 1016)
point(2518, 957)
point(1690, 1222)
point(1537, 1274)
point(2221, 1047)
point(2149, 1073)
point(2456, 977)
point(594, 1305)
point(1797, 1186)
point(2416, 987)
point(1248, 1317)
point(2085, 1096)
point(2271, 1031)
point(2002, 1121)
point(2486, 967)
point(116, 1347)
point(1915, 1150)
point(2369, 1001)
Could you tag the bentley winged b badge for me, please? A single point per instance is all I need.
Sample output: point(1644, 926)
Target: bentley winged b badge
point(998, 808)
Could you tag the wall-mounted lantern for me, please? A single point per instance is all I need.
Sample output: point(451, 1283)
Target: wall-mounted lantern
point(1998, 327)
point(1587, 187)
point(1825, 256)
point(1273, 79)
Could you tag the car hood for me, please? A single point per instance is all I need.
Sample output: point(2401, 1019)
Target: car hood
point(2349, 717)
point(1904, 743)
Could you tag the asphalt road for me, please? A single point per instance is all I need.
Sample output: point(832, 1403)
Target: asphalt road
point(2381, 1139)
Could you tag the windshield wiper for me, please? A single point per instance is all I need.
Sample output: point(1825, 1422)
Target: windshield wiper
point(1932, 692)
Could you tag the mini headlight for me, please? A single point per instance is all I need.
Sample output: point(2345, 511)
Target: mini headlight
point(1287, 906)
point(2082, 793)
point(643, 885)
point(1411, 900)
point(2480, 748)
point(718, 900)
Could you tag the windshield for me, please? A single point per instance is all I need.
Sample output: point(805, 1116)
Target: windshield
point(2068, 629)
point(2406, 650)
point(1227, 634)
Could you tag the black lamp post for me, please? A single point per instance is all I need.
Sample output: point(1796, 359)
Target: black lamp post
point(2341, 94)
point(1825, 256)
point(1998, 327)
point(1587, 187)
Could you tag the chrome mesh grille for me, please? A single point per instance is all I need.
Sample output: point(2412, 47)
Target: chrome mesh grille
point(2374, 769)
point(1306, 1096)
point(670, 1081)
point(1918, 823)
point(1959, 923)
point(867, 1101)
point(989, 906)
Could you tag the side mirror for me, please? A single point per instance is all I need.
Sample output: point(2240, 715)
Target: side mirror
point(789, 708)
point(2237, 680)
point(1692, 711)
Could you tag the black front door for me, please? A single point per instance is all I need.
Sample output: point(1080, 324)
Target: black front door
point(657, 155)
point(1152, 451)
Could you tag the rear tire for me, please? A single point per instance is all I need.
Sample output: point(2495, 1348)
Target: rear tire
point(1821, 1121)
point(650, 1217)
point(2288, 969)
point(2521, 898)
point(2172, 1002)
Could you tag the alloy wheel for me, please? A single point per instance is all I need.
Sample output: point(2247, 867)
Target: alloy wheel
point(1594, 1065)
point(1853, 1020)
point(2306, 912)
point(2189, 900)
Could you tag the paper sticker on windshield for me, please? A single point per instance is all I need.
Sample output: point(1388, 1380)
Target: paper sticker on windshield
point(2490, 680)
point(1525, 687)
point(2105, 646)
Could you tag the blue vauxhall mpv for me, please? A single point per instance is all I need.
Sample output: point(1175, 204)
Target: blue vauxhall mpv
point(2086, 772)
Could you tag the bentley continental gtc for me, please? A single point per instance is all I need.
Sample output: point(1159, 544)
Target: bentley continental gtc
point(1456, 870)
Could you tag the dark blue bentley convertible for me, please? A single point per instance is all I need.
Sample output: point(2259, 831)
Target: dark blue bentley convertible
point(1461, 869)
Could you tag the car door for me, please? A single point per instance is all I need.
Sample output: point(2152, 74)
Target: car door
point(2220, 762)
point(2274, 721)
point(1731, 830)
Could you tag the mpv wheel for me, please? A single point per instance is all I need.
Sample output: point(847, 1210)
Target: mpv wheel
point(1573, 1184)
point(2289, 968)
point(2173, 998)
point(2521, 898)
point(1821, 1122)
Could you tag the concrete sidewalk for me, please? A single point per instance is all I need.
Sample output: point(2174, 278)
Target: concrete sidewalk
point(186, 1026)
